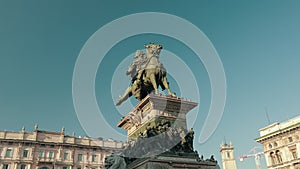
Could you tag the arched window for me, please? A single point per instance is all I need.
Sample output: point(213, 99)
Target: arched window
point(273, 158)
point(270, 146)
point(278, 156)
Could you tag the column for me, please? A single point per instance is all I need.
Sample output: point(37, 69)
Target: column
point(16, 166)
point(1, 148)
point(286, 155)
point(298, 150)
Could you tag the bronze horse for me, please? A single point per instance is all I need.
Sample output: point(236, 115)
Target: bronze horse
point(147, 75)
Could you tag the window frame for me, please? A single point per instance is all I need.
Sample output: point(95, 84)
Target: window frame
point(27, 153)
point(41, 154)
point(66, 156)
point(290, 139)
point(94, 158)
point(51, 154)
point(80, 157)
point(23, 165)
point(10, 150)
point(5, 166)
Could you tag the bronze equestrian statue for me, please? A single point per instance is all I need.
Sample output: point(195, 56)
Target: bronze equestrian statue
point(147, 73)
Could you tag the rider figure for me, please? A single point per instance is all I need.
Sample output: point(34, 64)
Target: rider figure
point(136, 70)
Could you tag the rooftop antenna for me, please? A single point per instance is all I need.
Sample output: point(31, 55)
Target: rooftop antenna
point(268, 118)
point(225, 141)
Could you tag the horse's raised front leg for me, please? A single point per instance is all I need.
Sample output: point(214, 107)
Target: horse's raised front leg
point(166, 84)
point(125, 96)
point(153, 82)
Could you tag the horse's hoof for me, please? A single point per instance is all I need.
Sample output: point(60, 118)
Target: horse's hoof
point(119, 103)
point(172, 95)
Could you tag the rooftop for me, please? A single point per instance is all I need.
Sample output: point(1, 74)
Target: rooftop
point(57, 138)
point(278, 128)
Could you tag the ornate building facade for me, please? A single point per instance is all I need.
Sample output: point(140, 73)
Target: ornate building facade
point(53, 150)
point(227, 155)
point(281, 144)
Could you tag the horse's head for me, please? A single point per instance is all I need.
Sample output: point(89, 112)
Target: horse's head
point(153, 50)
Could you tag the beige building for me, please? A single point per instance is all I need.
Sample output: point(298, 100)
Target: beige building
point(281, 144)
point(227, 155)
point(53, 150)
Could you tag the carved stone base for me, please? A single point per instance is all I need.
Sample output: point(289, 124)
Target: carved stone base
point(154, 108)
point(173, 162)
point(157, 127)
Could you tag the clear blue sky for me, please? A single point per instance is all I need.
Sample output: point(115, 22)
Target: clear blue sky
point(257, 41)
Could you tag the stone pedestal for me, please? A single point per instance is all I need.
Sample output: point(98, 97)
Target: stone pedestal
point(152, 110)
point(173, 162)
point(158, 137)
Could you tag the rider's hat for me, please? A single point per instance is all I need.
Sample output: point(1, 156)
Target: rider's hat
point(151, 43)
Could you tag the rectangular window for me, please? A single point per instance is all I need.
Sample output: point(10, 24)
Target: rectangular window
point(8, 153)
point(290, 139)
point(41, 154)
point(51, 154)
point(5, 166)
point(66, 156)
point(94, 158)
point(228, 155)
point(25, 153)
point(79, 157)
point(52, 146)
point(23, 166)
point(69, 167)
